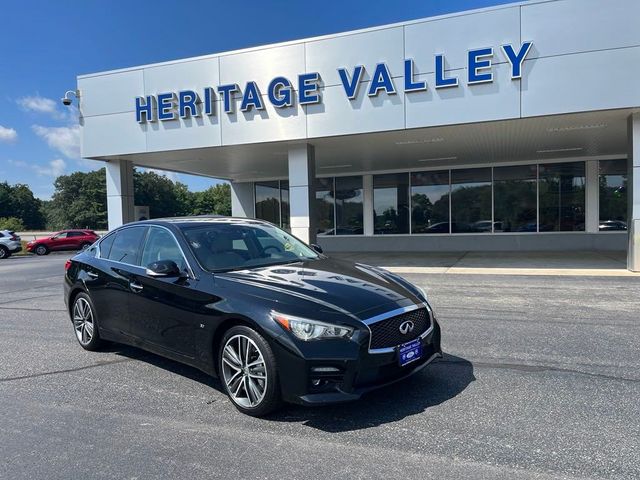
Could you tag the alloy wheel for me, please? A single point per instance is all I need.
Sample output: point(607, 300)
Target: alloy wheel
point(41, 250)
point(244, 371)
point(3, 253)
point(83, 321)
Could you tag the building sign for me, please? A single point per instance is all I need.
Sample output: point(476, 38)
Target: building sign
point(283, 92)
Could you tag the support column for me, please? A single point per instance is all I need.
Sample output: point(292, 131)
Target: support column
point(367, 204)
point(592, 217)
point(302, 174)
point(633, 187)
point(243, 202)
point(119, 193)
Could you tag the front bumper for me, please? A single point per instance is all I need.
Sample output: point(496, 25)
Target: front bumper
point(306, 380)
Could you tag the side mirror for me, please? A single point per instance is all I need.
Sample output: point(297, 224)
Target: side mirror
point(316, 247)
point(163, 268)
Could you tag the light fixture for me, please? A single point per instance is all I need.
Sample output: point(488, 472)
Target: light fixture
point(571, 128)
point(558, 150)
point(346, 165)
point(436, 159)
point(420, 142)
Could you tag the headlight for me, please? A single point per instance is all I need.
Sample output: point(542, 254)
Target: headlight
point(306, 330)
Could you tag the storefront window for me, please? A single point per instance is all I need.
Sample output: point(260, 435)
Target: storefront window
point(348, 205)
point(324, 206)
point(430, 202)
point(268, 201)
point(471, 200)
point(391, 203)
point(514, 199)
point(562, 197)
point(613, 195)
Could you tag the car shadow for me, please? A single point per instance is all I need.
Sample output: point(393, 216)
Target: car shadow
point(441, 381)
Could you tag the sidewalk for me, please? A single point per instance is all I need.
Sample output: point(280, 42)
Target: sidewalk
point(589, 263)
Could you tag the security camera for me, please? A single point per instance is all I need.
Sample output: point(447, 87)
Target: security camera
point(66, 100)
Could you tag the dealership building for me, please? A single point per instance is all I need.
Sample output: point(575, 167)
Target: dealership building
point(515, 127)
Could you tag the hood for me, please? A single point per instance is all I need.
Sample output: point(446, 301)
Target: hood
point(348, 287)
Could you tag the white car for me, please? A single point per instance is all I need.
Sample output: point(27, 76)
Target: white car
point(9, 243)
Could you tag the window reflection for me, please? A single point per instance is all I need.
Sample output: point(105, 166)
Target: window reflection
point(471, 200)
point(391, 203)
point(613, 195)
point(348, 205)
point(562, 197)
point(324, 206)
point(268, 201)
point(514, 198)
point(430, 202)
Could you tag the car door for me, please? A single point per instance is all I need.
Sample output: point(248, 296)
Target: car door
point(165, 310)
point(59, 241)
point(112, 281)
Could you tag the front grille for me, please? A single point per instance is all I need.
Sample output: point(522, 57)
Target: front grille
point(386, 333)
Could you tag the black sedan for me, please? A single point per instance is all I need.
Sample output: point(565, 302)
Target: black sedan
point(243, 300)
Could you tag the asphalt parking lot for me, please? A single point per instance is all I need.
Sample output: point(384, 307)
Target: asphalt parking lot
point(541, 379)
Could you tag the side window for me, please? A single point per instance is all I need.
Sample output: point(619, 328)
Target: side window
point(126, 245)
point(75, 234)
point(160, 245)
point(60, 235)
point(105, 245)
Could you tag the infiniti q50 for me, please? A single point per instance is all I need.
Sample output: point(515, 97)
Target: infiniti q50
point(276, 320)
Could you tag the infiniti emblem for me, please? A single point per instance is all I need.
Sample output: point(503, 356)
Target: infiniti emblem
point(406, 327)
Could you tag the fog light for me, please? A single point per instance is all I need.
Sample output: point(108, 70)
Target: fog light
point(325, 370)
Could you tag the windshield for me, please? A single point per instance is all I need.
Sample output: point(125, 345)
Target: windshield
point(236, 246)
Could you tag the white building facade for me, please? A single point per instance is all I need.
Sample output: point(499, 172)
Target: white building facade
point(515, 127)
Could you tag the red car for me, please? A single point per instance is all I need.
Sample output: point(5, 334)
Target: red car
point(64, 240)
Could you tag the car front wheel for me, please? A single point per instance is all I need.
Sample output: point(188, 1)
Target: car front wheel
point(84, 322)
point(41, 250)
point(248, 371)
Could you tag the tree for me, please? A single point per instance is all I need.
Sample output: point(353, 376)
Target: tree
point(79, 201)
point(12, 224)
point(158, 192)
point(18, 201)
point(214, 200)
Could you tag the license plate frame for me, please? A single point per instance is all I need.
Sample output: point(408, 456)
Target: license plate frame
point(410, 352)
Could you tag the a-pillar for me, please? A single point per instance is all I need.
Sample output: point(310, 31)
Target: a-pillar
point(119, 193)
point(302, 173)
point(633, 187)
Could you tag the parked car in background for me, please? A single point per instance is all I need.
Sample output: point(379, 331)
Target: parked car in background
point(64, 240)
point(612, 225)
point(9, 243)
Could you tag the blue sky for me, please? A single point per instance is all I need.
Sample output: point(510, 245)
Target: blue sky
point(45, 44)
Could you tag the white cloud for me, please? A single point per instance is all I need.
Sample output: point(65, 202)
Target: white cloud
point(39, 104)
point(65, 140)
point(7, 134)
point(54, 168)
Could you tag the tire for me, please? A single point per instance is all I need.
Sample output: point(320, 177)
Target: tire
point(85, 245)
point(254, 391)
point(4, 252)
point(84, 322)
point(41, 250)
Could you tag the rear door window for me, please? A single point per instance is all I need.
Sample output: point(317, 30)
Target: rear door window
point(126, 245)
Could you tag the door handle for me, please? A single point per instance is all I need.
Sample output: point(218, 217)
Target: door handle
point(92, 274)
point(136, 287)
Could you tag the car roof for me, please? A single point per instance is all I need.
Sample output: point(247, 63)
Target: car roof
point(200, 220)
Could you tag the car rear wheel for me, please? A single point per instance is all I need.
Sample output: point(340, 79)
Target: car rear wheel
point(248, 371)
point(85, 245)
point(84, 322)
point(41, 250)
point(4, 252)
